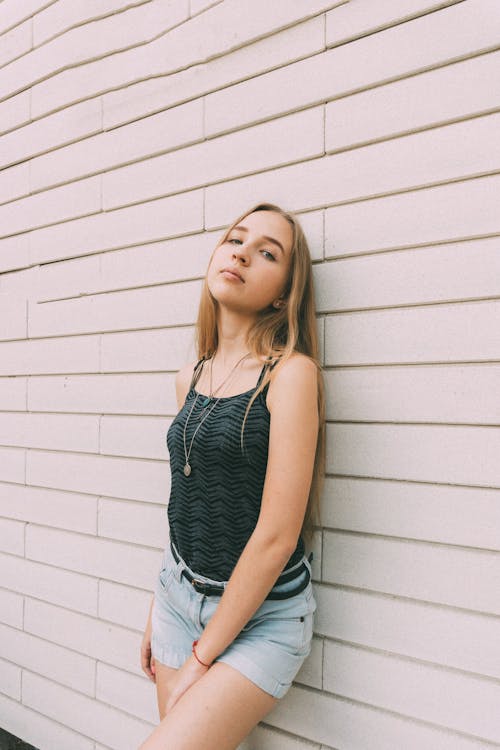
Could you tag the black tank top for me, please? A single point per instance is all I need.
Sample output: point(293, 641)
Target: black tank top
point(213, 511)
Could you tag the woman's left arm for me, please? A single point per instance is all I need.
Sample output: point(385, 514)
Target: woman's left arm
point(293, 436)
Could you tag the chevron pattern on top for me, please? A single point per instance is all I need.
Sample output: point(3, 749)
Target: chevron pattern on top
point(213, 511)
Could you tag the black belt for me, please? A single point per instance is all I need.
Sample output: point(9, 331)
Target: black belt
point(210, 589)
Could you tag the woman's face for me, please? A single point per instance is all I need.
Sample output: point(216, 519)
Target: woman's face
point(262, 264)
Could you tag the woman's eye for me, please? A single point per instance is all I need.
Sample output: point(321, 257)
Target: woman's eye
point(270, 254)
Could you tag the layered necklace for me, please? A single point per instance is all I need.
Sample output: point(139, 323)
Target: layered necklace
point(205, 403)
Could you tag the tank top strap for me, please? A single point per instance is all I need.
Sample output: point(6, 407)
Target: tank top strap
point(267, 365)
point(196, 372)
point(199, 366)
point(261, 375)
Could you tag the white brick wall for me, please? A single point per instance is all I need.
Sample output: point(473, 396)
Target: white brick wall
point(131, 133)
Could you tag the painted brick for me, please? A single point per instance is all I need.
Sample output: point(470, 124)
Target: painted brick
point(449, 212)
point(467, 578)
point(465, 703)
point(146, 222)
point(123, 605)
point(12, 536)
point(140, 393)
point(295, 138)
point(10, 679)
point(93, 556)
point(454, 271)
point(70, 354)
point(455, 91)
point(133, 522)
point(166, 349)
point(90, 636)
point(107, 150)
point(126, 692)
point(125, 104)
point(48, 583)
point(11, 608)
point(42, 657)
point(49, 508)
point(407, 48)
point(64, 202)
point(15, 111)
point(359, 17)
point(15, 42)
point(73, 123)
point(14, 182)
point(63, 15)
point(441, 393)
point(99, 475)
point(12, 316)
point(80, 712)
point(326, 718)
point(222, 29)
point(416, 160)
point(466, 516)
point(33, 727)
point(50, 431)
point(15, 253)
point(461, 332)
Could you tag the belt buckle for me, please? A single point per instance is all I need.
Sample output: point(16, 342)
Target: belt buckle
point(197, 581)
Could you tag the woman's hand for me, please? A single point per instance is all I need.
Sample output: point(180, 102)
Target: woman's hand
point(147, 661)
point(188, 674)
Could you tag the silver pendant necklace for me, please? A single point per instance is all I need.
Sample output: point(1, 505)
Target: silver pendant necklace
point(208, 399)
point(187, 465)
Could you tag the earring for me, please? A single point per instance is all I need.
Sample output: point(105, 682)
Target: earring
point(278, 303)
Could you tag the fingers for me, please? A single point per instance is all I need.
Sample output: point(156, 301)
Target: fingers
point(148, 664)
point(149, 674)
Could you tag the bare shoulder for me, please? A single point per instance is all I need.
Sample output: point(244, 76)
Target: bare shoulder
point(295, 377)
point(183, 381)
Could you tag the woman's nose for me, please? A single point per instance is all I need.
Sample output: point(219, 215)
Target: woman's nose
point(240, 251)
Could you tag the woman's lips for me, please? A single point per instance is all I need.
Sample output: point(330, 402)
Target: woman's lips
point(229, 275)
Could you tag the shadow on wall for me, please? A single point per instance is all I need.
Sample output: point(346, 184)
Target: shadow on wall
point(9, 742)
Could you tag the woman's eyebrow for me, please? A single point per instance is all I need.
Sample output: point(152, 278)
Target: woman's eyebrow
point(264, 237)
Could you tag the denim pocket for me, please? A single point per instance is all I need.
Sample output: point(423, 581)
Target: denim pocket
point(308, 591)
point(308, 630)
point(289, 633)
point(165, 578)
point(285, 622)
point(256, 620)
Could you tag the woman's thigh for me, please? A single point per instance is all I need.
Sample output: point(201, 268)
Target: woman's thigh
point(165, 678)
point(216, 713)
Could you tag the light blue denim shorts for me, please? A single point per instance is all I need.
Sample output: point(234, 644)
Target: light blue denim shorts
point(270, 648)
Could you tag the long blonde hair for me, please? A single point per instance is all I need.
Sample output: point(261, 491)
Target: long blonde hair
point(277, 333)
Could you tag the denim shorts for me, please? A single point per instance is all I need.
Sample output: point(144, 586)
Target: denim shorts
point(269, 649)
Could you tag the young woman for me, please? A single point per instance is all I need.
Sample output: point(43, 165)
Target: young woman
point(231, 620)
